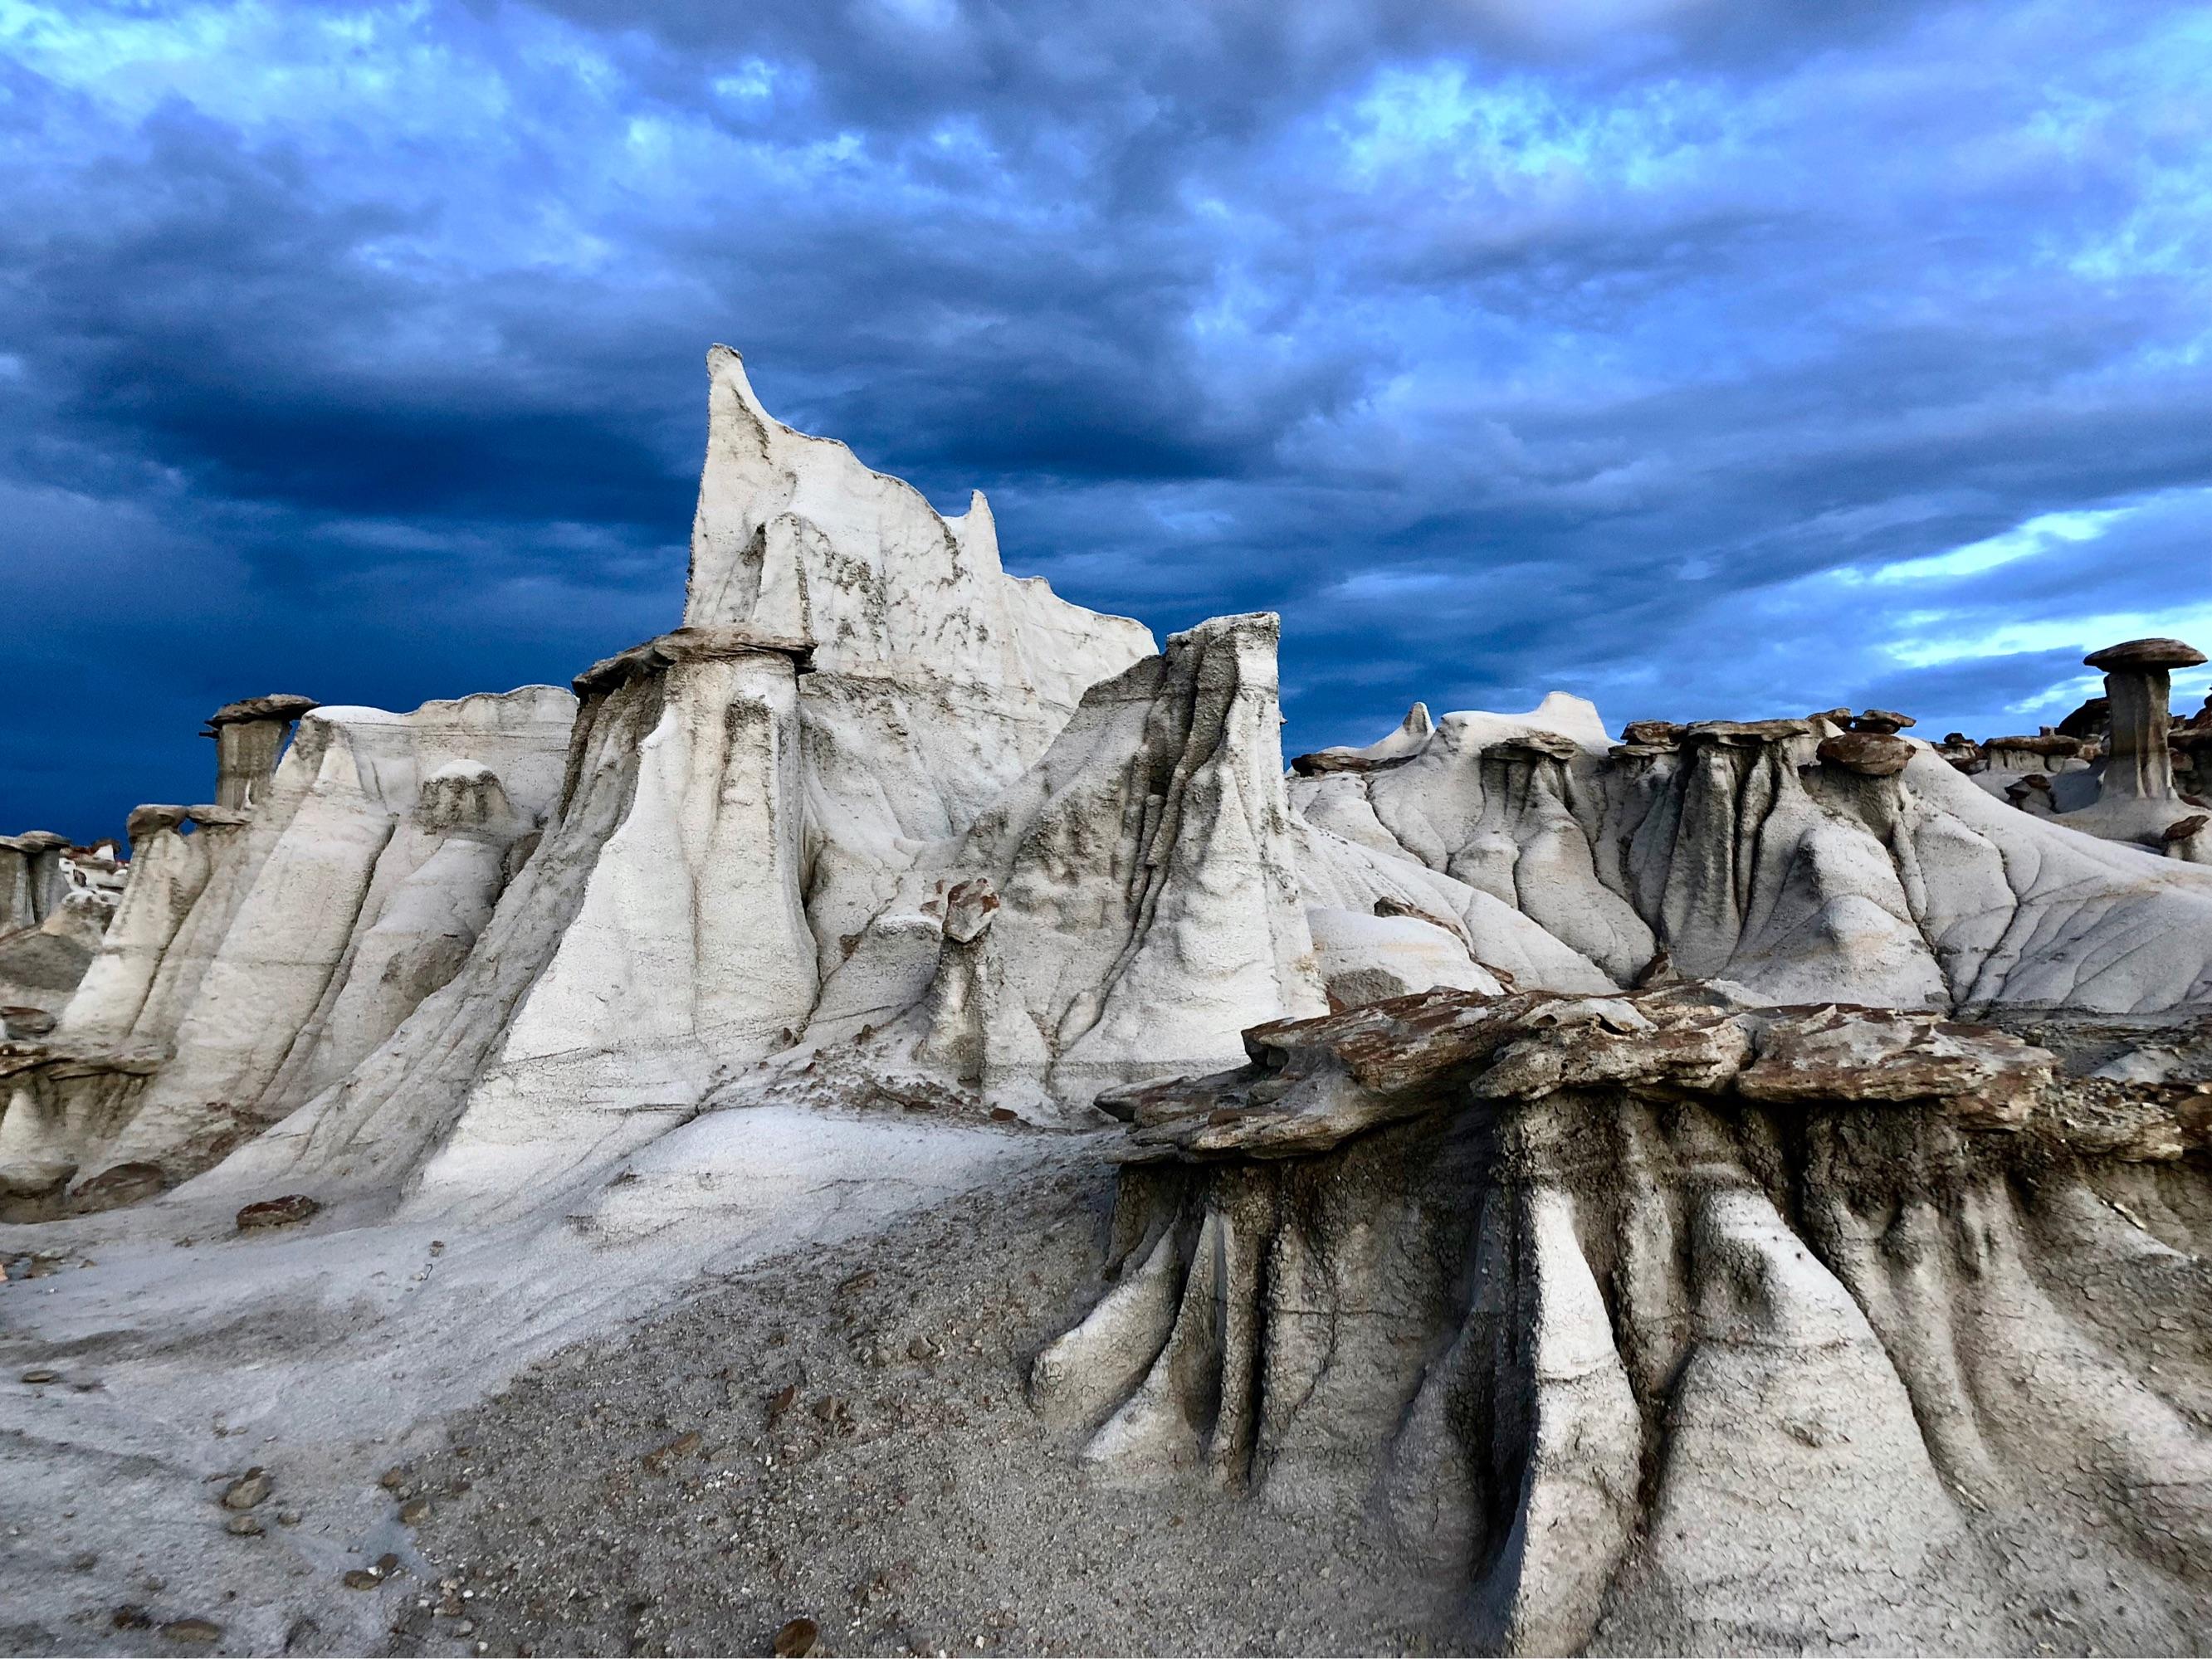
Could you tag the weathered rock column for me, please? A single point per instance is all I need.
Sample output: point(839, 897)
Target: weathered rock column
point(2138, 681)
point(690, 946)
point(31, 881)
point(249, 739)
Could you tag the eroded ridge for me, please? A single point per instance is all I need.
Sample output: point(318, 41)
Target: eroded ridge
point(1675, 1324)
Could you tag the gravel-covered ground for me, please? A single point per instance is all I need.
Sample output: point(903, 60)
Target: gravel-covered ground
point(842, 1436)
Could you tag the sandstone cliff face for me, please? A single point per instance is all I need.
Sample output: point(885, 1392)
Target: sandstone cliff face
point(938, 678)
point(857, 680)
point(1123, 907)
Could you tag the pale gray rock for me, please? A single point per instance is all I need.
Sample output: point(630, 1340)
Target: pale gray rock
point(1400, 745)
point(761, 850)
point(1368, 957)
point(250, 737)
point(746, 800)
point(1497, 803)
point(1712, 1331)
point(32, 883)
point(1146, 894)
point(1738, 1187)
point(939, 678)
point(56, 899)
point(878, 815)
point(2121, 767)
point(258, 955)
point(2138, 690)
point(1735, 852)
point(2137, 799)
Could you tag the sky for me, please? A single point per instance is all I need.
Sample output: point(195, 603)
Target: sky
point(1707, 358)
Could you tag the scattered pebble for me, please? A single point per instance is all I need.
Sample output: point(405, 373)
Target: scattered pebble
point(244, 1526)
point(413, 1510)
point(570, 1539)
point(42, 1373)
point(682, 1446)
point(796, 1639)
point(192, 1629)
point(132, 1616)
point(361, 1578)
point(249, 1489)
point(287, 1517)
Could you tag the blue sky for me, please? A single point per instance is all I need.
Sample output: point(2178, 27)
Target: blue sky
point(1706, 359)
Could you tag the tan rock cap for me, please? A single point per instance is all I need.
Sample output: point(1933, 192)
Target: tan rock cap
point(2145, 653)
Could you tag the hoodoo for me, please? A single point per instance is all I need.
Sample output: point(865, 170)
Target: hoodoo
point(2138, 686)
point(249, 736)
point(2122, 766)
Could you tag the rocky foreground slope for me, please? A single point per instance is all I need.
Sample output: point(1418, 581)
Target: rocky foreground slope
point(1740, 1186)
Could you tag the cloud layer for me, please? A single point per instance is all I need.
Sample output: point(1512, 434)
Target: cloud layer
point(1703, 359)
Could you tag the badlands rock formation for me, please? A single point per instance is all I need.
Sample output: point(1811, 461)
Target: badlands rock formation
point(2121, 766)
point(516, 933)
point(262, 951)
point(879, 817)
point(56, 901)
point(1602, 1165)
point(1788, 860)
point(1672, 1326)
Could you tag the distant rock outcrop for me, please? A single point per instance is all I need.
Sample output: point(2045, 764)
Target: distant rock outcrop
point(260, 952)
point(57, 900)
point(1788, 865)
point(2120, 766)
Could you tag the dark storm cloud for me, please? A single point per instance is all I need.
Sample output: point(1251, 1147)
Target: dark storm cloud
point(1706, 359)
point(209, 314)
